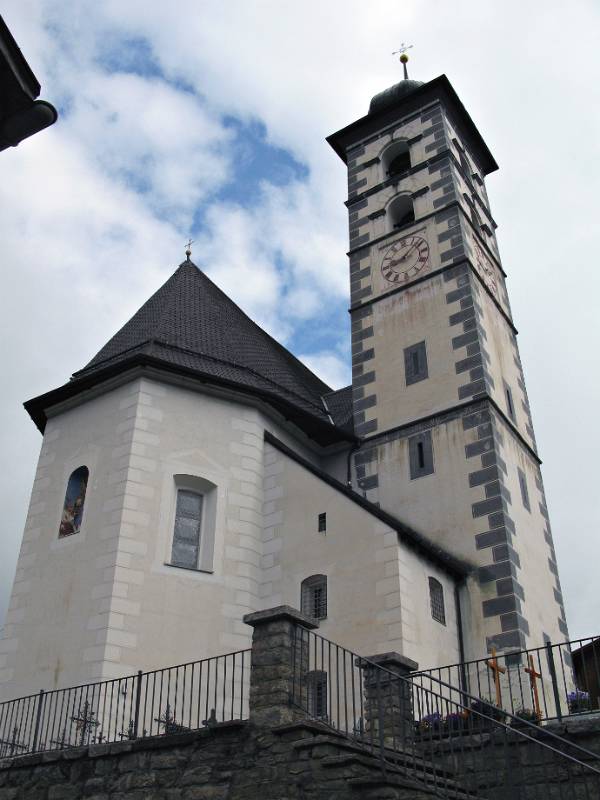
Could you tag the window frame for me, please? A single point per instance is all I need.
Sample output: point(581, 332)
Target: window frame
point(524, 489)
point(437, 602)
point(208, 522)
point(421, 373)
point(308, 588)
point(420, 448)
point(200, 519)
point(84, 496)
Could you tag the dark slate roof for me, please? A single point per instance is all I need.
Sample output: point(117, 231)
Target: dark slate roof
point(339, 405)
point(190, 326)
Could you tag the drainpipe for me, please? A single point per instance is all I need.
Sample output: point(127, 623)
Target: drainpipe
point(459, 625)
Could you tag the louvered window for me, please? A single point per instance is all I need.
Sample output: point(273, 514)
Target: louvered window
point(314, 596)
point(186, 535)
point(415, 363)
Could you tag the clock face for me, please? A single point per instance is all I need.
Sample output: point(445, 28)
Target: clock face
point(405, 259)
point(486, 270)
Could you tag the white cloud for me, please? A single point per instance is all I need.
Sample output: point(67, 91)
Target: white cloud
point(330, 367)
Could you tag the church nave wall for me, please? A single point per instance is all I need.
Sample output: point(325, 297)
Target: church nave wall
point(377, 586)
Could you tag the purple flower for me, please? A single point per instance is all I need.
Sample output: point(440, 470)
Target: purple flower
point(577, 695)
point(432, 718)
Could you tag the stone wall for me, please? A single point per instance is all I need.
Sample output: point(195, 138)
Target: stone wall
point(233, 761)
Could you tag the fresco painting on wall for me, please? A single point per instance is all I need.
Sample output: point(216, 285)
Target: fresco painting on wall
point(72, 514)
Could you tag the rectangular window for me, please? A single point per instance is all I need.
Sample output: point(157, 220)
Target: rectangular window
point(186, 534)
point(322, 523)
point(524, 491)
point(420, 454)
point(436, 598)
point(509, 402)
point(415, 363)
point(317, 694)
point(313, 596)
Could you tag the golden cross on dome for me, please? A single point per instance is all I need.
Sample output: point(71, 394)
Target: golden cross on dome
point(403, 56)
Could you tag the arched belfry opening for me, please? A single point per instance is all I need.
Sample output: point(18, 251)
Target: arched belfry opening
point(400, 211)
point(396, 159)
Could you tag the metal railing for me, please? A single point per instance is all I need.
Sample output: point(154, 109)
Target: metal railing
point(163, 701)
point(421, 727)
point(548, 682)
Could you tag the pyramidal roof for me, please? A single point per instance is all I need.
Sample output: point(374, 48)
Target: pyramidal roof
point(190, 326)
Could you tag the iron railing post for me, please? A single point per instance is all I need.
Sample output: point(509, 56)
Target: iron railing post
point(38, 719)
point(138, 696)
point(552, 668)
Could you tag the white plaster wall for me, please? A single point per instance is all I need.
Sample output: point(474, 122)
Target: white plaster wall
point(540, 608)
point(399, 321)
point(378, 592)
point(61, 606)
point(501, 346)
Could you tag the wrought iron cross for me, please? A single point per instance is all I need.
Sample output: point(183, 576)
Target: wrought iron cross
point(63, 741)
point(85, 722)
point(493, 665)
point(13, 743)
point(167, 719)
point(188, 247)
point(533, 676)
point(130, 734)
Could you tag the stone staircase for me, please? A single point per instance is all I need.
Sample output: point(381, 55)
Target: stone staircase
point(340, 764)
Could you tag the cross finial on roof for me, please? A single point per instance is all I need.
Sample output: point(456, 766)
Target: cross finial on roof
point(188, 248)
point(403, 57)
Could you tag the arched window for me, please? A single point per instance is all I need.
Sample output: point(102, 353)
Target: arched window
point(72, 514)
point(396, 159)
point(436, 598)
point(400, 211)
point(313, 596)
point(186, 534)
point(316, 684)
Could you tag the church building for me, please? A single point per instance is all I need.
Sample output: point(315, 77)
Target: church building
point(195, 470)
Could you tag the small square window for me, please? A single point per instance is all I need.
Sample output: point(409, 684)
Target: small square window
point(322, 523)
point(415, 363)
point(420, 453)
point(524, 490)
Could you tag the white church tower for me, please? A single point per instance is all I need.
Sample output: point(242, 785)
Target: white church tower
point(194, 470)
point(439, 398)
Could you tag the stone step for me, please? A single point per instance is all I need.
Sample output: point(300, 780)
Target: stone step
point(430, 780)
point(391, 786)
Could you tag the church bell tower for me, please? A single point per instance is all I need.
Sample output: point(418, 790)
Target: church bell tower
point(439, 398)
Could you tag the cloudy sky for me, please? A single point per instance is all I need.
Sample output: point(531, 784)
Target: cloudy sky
point(208, 119)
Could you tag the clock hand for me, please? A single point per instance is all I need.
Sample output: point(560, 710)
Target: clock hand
point(409, 251)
